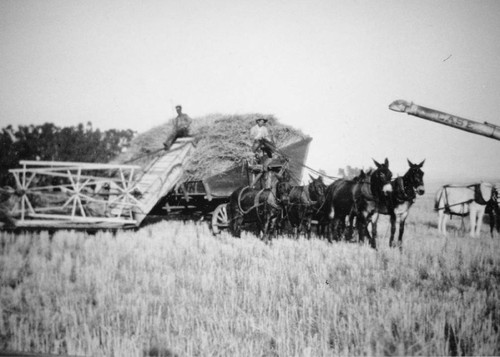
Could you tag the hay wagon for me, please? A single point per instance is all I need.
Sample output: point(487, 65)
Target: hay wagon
point(205, 198)
point(75, 195)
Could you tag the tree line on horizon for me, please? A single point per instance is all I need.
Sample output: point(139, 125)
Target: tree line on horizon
point(349, 172)
point(49, 142)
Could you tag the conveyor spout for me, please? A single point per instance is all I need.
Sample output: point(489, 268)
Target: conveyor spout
point(486, 129)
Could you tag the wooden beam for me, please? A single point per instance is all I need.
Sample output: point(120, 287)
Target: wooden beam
point(38, 223)
point(81, 219)
point(83, 165)
point(70, 175)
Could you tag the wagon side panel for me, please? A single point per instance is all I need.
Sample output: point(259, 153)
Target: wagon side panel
point(225, 183)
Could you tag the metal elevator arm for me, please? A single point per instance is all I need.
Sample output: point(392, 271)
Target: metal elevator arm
point(486, 129)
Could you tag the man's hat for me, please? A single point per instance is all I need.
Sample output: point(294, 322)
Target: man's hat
point(263, 119)
point(178, 107)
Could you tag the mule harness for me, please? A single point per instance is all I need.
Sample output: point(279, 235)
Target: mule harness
point(257, 197)
point(256, 201)
point(404, 193)
point(310, 203)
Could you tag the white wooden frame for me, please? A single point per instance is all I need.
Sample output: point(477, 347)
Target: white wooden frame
point(119, 203)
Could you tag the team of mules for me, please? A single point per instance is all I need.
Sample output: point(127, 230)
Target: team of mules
point(370, 194)
point(362, 199)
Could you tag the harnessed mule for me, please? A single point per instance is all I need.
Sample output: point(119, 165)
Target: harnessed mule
point(304, 204)
point(452, 200)
point(369, 196)
point(360, 198)
point(398, 203)
point(261, 206)
point(338, 205)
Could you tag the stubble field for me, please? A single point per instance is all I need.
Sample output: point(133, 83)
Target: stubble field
point(173, 289)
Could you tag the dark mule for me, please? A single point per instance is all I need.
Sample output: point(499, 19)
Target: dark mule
point(398, 203)
point(261, 206)
point(369, 195)
point(304, 204)
point(339, 203)
point(360, 198)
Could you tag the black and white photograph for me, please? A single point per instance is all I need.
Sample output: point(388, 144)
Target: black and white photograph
point(249, 178)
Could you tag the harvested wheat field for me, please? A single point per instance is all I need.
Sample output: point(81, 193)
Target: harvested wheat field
point(174, 289)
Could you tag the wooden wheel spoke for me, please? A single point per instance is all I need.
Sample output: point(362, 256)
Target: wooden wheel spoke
point(223, 216)
point(219, 218)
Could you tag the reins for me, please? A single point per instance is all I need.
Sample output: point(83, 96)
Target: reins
point(368, 195)
point(276, 150)
point(256, 204)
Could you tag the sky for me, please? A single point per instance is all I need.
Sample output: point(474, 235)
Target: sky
point(328, 67)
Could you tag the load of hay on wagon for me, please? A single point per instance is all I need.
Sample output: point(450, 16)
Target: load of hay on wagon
point(221, 142)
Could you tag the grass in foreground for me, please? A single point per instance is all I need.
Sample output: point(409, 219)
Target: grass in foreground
point(172, 288)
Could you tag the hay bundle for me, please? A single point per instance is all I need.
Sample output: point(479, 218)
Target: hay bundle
point(221, 142)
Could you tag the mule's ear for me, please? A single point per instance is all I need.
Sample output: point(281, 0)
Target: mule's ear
point(376, 163)
point(421, 164)
point(410, 163)
point(386, 162)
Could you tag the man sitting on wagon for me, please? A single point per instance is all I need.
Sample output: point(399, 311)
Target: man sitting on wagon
point(181, 128)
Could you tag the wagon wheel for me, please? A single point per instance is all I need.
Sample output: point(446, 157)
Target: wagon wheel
point(219, 218)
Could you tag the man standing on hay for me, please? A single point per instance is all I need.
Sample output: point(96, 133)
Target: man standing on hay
point(181, 125)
